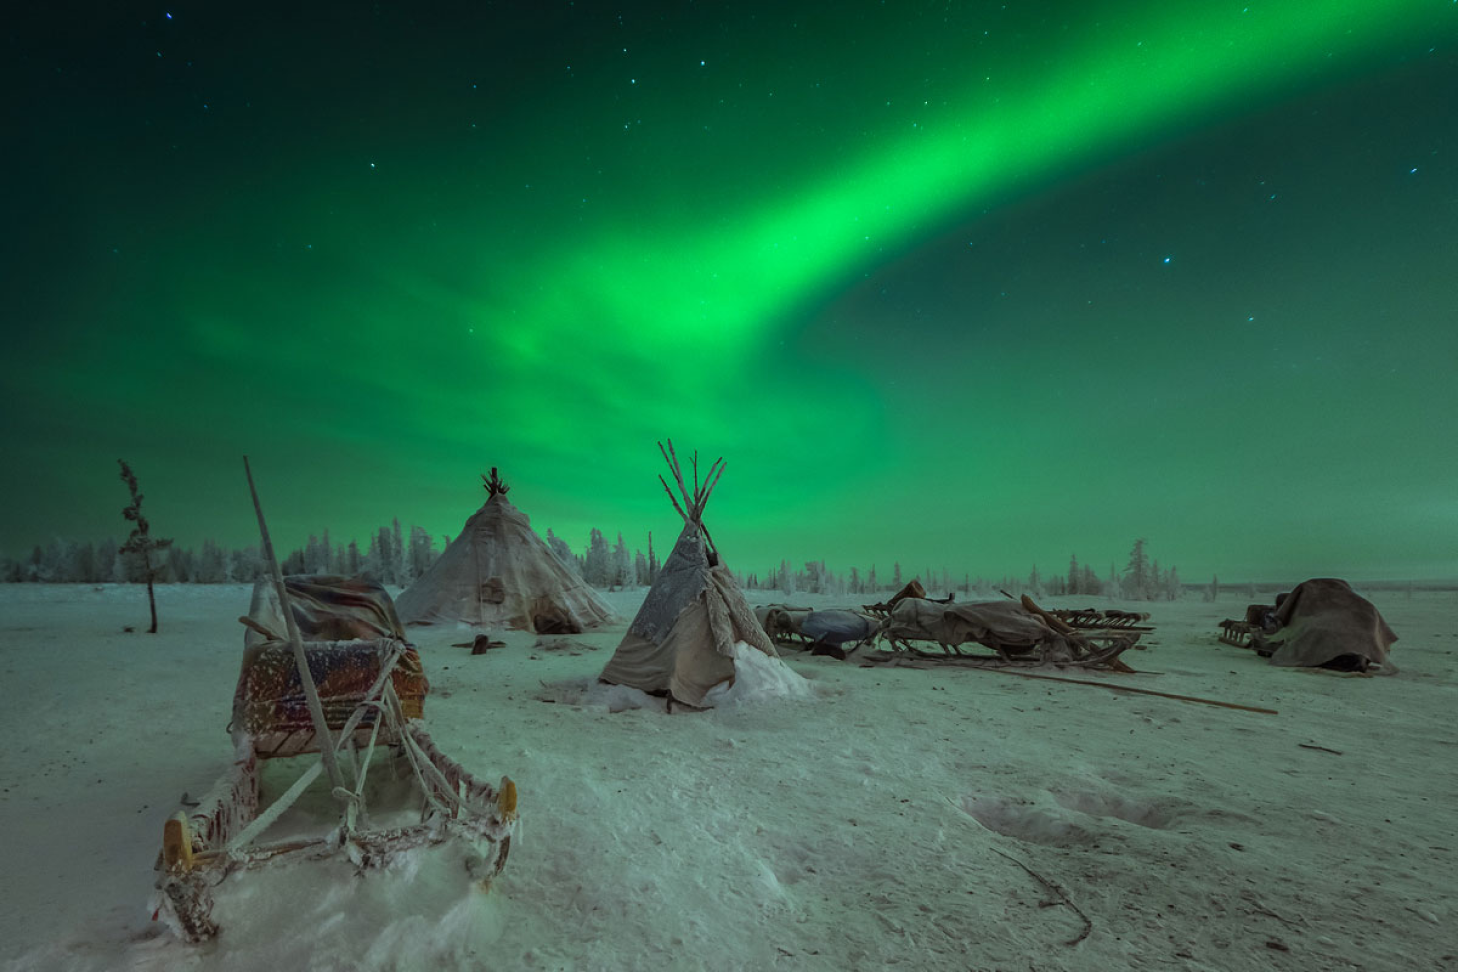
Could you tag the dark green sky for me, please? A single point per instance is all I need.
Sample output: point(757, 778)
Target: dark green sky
point(980, 285)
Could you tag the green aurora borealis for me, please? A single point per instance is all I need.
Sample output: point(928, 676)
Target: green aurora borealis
point(975, 285)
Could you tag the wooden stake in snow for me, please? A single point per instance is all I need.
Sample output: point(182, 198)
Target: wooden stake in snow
point(306, 678)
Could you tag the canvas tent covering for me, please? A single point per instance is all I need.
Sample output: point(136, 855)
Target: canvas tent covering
point(683, 639)
point(1323, 622)
point(349, 629)
point(498, 572)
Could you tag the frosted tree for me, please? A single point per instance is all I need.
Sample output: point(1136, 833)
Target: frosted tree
point(1089, 582)
point(622, 565)
point(141, 542)
point(653, 564)
point(871, 584)
point(1075, 576)
point(597, 566)
point(896, 576)
point(398, 567)
point(1172, 587)
point(785, 579)
point(855, 581)
point(212, 565)
point(353, 563)
point(244, 566)
point(1035, 581)
point(640, 569)
point(316, 556)
point(563, 553)
point(1136, 574)
point(372, 563)
point(422, 551)
point(1214, 592)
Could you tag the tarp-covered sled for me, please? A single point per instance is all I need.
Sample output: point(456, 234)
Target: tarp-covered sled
point(1324, 623)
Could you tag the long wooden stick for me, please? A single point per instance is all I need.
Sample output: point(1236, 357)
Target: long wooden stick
point(306, 678)
point(1125, 688)
point(673, 500)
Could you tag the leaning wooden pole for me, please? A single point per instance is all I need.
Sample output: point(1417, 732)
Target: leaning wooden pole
point(306, 678)
point(1137, 691)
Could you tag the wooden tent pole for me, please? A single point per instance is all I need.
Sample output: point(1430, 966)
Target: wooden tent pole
point(1125, 688)
point(306, 678)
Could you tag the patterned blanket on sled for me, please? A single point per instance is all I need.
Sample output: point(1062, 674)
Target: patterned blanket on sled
point(350, 628)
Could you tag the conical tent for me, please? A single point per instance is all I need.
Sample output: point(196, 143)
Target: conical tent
point(499, 572)
point(695, 619)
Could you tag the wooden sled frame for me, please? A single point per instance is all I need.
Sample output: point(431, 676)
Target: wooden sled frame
point(1096, 647)
point(203, 844)
point(1099, 651)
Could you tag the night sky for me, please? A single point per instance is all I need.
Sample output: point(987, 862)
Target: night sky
point(962, 284)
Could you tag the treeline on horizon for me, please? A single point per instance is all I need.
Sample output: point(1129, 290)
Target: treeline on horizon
point(396, 558)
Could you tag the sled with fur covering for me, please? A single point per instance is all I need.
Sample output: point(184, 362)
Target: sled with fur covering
point(1020, 634)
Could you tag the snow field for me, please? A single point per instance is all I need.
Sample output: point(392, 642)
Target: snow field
point(863, 826)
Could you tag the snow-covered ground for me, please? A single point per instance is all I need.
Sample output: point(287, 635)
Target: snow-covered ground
point(881, 821)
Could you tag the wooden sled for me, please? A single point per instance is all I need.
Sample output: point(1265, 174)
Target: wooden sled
point(1092, 648)
point(434, 800)
point(1242, 634)
point(1092, 618)
point(912, 589)
point(1101, 656)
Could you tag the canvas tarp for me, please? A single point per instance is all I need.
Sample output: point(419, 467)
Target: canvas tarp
point(682, 639)
point(837, 627)
point(1324, 622)
point(499, 572)
point(326, 608)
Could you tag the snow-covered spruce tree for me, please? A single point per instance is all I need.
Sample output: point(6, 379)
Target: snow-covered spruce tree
point(896, 584)
point(563, 553)
point(622, 563)
point(212, 566)
point(399, 567)
point(141, 542)
point(1075, 576)
point(597, 565)
point(1136, 574)
point(640, 569)
point(422, 551)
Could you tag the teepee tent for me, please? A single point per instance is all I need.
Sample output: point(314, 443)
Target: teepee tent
point(694, 623)
point(499, 572)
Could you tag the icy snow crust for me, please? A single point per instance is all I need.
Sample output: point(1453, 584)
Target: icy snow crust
point(853, 829)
